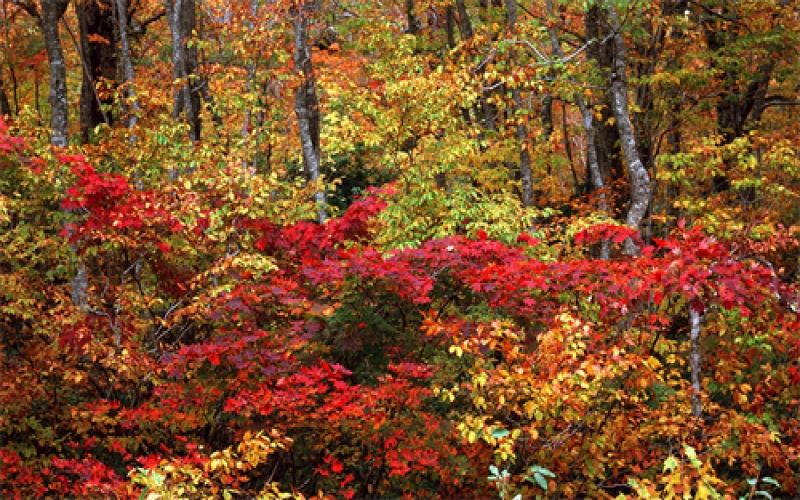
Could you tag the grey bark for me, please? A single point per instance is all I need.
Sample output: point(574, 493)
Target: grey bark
point(601, 54)
point(128, 74)
point(52, 11)
point(525, 172)
point(696, 360)
point(592, 163)
point(637, 174)
point(182, 20)
point(306, 106)
point(51, 14)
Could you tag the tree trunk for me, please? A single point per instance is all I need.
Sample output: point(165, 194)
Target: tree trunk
point(737, 104)
point(592, 163)
point(52, 11)
point(525, 172)
point(696, 361)
point(609, 158)
point(5, 106)
point(464, 23)
point(51, 14)
point(182, 20)
point(128, 75)
point(99, 58)
point(450, 26)
point(637, 175)
point(306, 106)
point(414, 26)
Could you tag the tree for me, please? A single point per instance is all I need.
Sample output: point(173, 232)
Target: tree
point(380, 273)
point(99, 60)
point(306, 104)
point(637, 174)
point(182, 18)
point(48, 20)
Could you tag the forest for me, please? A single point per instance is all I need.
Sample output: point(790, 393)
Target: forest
point(443, 249)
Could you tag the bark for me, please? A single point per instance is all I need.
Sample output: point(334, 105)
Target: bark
point(592, 162)
point(128, 74)
point(414, 26)
point(607, 140)
point(450, 22)
point(464, 23)
point(248, 114)
point(741, 101)
point(5, 106)
point(52, 11)
point(696, 361)
point(547, 118)
point(638, 177)
point(306, 106)
point(99, 59)
point(182, 20)
point(525, 172)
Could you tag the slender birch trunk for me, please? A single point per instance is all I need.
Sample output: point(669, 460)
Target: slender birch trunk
point(306, 106)
point(696, 360)
point(637, 174)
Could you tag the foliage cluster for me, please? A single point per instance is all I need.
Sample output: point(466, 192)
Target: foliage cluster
point(175, 322)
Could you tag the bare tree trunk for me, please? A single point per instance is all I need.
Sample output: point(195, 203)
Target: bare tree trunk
point(52, 11)
point(464, 24)
point(637, 175)
point(609, 157)
point(128, 75)
point(182, 20)
point(592, 162)
point(99, 60)
point(696, 361)
point(450, 26)
point(248, 114)
point(525, 172)
point(306, 106)
point(5, 106)
point(51, 14)
point(414, 26)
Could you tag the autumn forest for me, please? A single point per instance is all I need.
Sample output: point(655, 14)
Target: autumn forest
point(454, 249)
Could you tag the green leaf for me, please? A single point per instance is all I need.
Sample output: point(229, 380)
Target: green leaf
point(541, 481)
point(541, 470)
point(771, 481)
point(500, 433)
